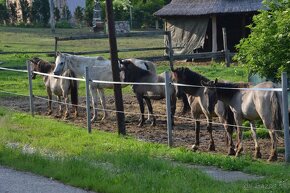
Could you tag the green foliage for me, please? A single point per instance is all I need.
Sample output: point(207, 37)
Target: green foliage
point(66, 14)
point(4, 14)
point(89, 12)
point(56, 14)
point(267, 49)
point(40, 12)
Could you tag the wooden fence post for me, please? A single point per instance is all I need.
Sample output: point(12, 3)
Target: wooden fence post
point(55, 46)
point(168, 108)
point(30, 87)
point(226, 51)
point(89, 125)
point(170, 50)
point(285, 116)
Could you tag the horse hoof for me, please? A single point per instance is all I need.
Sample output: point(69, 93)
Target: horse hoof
point(211, 147)
point(49, 113)
point(194, 147)
point(231, 152)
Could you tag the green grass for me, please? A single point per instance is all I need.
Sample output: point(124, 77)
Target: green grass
point(106, 162)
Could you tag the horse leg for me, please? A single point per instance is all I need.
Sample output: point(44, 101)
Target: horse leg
point(228, 136)
point(254, 136)
point(274, 155)
point(59, 106)
point(94, 102)
point(103, 102)
point(150, 109)
point(173, 106)
point(186, 106)
point(49, 94)
point(141, 105)
point(209, 129)
point(197, 132)
point(239, 145)
point(66, 101)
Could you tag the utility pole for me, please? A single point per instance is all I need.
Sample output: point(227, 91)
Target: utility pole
point(115, 68)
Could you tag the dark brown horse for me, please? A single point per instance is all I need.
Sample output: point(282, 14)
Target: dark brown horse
point(133, 73)
point(59, 87)
point(199, 103)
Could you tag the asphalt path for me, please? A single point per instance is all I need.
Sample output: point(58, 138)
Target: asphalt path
point(12, 181)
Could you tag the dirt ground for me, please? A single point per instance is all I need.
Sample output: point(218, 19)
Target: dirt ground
point(183, 133)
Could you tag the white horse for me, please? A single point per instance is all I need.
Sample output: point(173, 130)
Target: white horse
point(99, 69)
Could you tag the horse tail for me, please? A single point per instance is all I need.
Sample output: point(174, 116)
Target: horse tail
point(73, 88)
point(276, 107)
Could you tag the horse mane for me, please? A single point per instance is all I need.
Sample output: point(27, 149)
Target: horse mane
point(43, 66)
point(222, 87)
point(189, 76)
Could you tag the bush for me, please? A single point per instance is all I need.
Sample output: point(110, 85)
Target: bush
point(79, 14)
point(4, 14)
point(267, 49)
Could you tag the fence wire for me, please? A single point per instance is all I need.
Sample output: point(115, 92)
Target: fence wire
point(134, 83)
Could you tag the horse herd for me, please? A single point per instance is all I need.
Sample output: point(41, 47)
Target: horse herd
point(226, 100)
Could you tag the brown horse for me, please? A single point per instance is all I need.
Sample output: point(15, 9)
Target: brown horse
point(133, 73)
point(199, 103)
point(250, 105)
point(59, 87)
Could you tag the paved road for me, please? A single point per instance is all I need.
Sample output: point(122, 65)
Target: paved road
point(12, 181)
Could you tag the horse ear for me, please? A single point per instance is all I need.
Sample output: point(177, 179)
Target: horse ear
point(58, 53)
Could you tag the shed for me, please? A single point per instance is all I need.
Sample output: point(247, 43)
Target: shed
point(197, 25)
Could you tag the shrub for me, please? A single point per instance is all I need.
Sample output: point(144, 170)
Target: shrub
point(267, 49)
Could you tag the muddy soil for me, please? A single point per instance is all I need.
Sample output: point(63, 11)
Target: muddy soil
point(183, 133)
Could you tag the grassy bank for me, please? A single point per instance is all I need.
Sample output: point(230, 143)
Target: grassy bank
point(105, 162)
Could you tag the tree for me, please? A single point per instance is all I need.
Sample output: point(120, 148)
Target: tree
point(79, 14)
point(13, 12)
point(267, 49)
point(4, 14)
point(25, 9)
point(66, 14)
point(40, 12)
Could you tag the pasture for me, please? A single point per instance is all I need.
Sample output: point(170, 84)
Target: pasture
point(103, 161)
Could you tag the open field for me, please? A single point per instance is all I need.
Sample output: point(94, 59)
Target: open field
point(103, 161)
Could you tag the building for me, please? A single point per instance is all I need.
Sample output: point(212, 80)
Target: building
point(197, 25)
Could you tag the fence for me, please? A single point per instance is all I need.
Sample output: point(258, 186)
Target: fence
point(167, 84)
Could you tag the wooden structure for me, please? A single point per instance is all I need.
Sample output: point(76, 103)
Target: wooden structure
point(234, 15)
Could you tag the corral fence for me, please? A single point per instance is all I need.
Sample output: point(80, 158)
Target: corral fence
point(226, 54)
point(169, 57)
point(167, 86)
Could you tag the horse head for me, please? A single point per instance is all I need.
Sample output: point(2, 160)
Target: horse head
point(210, 94)
point(60, 64)
point(35, 66)
point(178, 77)
point(130, 72)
